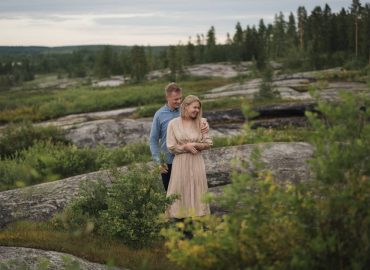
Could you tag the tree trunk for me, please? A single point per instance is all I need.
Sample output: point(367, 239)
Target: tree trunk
point(356, 36)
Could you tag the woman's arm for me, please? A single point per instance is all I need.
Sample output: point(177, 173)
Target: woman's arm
point(172, 144)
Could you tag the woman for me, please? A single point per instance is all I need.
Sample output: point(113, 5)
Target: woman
point(188, 177)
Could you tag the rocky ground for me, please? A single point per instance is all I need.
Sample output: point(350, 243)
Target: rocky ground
point(15, 258)
point(287, 161)
point(117, 127)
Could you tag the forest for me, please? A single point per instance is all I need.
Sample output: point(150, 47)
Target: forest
point(302, 41)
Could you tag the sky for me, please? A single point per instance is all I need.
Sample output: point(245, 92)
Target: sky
point(136, 22)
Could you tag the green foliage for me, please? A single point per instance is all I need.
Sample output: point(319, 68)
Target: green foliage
point(41, 105)
point(81, 217)
point(266, 89)
point(139, 65)
point(262, 135)
point(128, 210)
point(48, 161)
point(320, 224)
point(94, 248)
point(148, 110)
point(135, 202)
point(17, 137)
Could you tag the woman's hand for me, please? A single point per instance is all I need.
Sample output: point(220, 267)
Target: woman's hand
point(191, 148)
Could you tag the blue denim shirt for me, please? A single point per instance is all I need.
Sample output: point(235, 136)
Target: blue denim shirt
point(158, 133)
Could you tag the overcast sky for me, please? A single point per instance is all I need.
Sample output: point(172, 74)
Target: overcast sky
point(140, 22)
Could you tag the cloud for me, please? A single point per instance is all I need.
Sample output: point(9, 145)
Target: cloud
point(127, 22)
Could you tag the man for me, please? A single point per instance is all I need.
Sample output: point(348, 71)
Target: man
point(158, 132)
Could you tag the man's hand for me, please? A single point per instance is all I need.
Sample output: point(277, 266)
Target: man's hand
point(204, 127)
point(191, 148)
point(163, 168)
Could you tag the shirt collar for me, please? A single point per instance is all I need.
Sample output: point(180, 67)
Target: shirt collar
point(172, 110)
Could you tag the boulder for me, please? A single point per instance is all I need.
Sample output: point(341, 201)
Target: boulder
point(29, 258)
point(109, 132)
point(287, 161)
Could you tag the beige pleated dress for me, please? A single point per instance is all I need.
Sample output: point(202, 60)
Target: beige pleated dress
point(188, 175)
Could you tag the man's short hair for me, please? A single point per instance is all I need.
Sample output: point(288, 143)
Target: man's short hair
point(172, 88)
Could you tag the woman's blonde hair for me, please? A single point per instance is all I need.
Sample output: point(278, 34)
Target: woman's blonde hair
point(186, 102)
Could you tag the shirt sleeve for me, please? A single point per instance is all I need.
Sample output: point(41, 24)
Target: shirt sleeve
point(206, 139)
point(154, 138)
point(172, 144)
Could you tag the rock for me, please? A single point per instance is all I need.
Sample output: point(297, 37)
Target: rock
point(40, 202)
point(111, 82)
point(225, 70)
point(224, 116)
point(280, 122)
point(285, 110)
point(291, 87)
point(29, 258)
point(73, 119)
point(331, 91)
point(109, 132)
point(222, 69)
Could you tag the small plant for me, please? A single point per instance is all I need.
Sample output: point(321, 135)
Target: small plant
point(17, 137)
point(129, 210)
point(266, 89)
point(320, 224)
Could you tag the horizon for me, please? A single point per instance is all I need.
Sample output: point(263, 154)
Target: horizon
point(141, 22)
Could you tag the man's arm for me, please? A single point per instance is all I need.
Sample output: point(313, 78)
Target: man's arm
point(204, 126)
point(154, 138)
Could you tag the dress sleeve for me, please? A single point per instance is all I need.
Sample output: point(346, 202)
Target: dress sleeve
point(172, 144)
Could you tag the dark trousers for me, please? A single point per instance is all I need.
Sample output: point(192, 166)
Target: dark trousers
point(166, 177)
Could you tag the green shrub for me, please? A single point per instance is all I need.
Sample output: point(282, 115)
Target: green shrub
point(39, 105)
point(47, 161)
point(266, 89)
point(82, 215)
point(130, 209)
point(135, 202)
point(16, 137)
point(323, 223)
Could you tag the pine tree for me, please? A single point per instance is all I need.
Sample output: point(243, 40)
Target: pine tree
point(292, 32)
point(190, 53)
point(103, 62)
point(139, 66)
point(355, 12)
point(302, 21)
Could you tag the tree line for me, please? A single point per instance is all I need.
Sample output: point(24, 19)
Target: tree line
point(302, 41)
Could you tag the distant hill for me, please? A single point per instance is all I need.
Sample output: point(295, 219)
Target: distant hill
point(9, 50)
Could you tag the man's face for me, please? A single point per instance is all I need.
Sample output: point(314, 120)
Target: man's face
point(174, 99)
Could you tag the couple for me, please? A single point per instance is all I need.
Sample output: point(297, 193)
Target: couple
point(180, 132)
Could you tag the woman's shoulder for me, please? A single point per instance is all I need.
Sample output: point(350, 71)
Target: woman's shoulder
point(174, 121)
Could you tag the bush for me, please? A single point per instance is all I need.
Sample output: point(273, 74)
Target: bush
point(17, 137)
point(320, 224)
point(82, 215)
point(128, 210)
point(266, 89)
point(47, 161)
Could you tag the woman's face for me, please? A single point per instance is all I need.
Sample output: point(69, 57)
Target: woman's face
point(193, 109)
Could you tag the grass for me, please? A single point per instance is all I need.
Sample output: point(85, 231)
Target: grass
point(263, 135)
point(45, 161)
point(38, 105)
point(41, 235)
